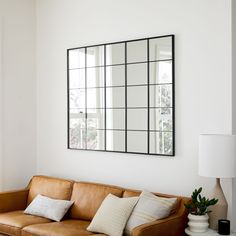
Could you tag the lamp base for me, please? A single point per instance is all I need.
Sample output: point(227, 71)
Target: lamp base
point(219, 211)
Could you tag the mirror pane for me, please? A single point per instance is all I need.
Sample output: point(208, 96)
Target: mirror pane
point(95, 56)
point(160, 96)
point(77, 137)
point(161, 119)
point(137, 96)
point(115, 75)
point(137, 74)
point(161, 143)
point(115, 118)
point(115, 53)
point(137, 119)
point(137, 141)
point(77, 98)
point(115, 140)
point(160, 48)
point(160, 72)
point(95, 139)
point(95, 77)
point(77, 58)
point(96, 118)
point(137, 51)
point(115, 97)
point(77, 78)
point(95, 98)
point(77, 128)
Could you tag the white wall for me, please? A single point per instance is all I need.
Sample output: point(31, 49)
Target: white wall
point(203, 85)
point(18, 92)
point(234, 97)
point(1, 107)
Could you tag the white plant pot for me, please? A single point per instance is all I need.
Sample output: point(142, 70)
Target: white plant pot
point(198, 224)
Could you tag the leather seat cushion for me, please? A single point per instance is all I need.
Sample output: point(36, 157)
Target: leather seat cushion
point(63, 228)
point(50, 187)
point(87, 198)
point(11, 223)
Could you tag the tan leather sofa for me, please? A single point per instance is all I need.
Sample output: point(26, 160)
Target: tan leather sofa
point(87, 198)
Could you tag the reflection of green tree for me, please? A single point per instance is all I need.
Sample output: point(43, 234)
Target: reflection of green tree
point(92, 138)
point(165, 138)
point(77, 137)
point(166, 96)
point(92, 133)
point(165, 142)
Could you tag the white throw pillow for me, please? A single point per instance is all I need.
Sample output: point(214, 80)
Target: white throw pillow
point(149, 208)
point(49, 208)
point(112, 215)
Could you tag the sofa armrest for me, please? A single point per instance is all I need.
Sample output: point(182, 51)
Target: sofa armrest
point(13, 200)
point(173, 225)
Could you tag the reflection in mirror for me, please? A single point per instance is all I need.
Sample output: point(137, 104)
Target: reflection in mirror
point(161, 142)
point(160, 48)
point(137, 141)
point(115, 119)
point(160, 96)
point(115, 54)
point(137, 74)
point(115, 140)
point(77, 128)
point(95, 98)
point(95, 56)
point(77, 137)
point(77, 58)
point(77, 78)
point(77, 98)
point(95, 139)
point(137, 51)
point(95, 77)
point(115, 76)
point(120, 96)
point(95, 118)
point(160, 72)
point(161, 119)
point(137, 119)
point(137, 96)
point(115, 97)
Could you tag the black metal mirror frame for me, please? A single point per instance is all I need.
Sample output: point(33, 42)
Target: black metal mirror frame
point(126, 87)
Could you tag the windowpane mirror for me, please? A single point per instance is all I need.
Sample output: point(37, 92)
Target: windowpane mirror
point(120, 96)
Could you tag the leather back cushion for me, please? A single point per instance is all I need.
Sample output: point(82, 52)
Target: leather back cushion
point(134, 193)
point(50, 187)
point(88, 197)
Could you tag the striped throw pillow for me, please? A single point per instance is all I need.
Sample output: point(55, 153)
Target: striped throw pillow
point(112, 215)
point(149, 208)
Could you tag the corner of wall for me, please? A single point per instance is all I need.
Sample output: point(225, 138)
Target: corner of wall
point(233, 22)
point(1, 105)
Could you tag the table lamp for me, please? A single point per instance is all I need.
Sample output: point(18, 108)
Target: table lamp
point(217, 159)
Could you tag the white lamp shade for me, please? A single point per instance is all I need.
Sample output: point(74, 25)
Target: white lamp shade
point(217, 156)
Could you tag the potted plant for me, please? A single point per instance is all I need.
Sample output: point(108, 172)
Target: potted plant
point(198, 209)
